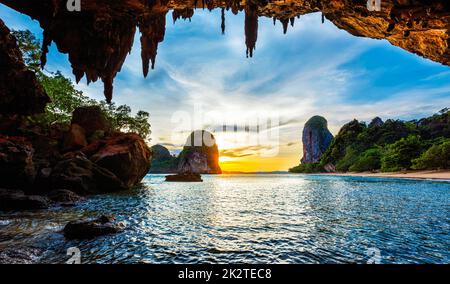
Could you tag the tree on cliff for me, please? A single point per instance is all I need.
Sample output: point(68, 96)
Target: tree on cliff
point(65, 98)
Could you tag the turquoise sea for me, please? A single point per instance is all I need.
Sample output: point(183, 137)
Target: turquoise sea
point(267, 218)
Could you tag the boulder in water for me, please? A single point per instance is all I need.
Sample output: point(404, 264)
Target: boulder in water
point(125, 155)
point(91, 228)
point(83, 176)
point(184, 177)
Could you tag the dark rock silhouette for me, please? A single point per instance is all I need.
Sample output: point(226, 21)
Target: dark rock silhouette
point(20, 92)
point(91, 119)
point(125, 155)
point(92, 228)
point(184, 177)
point(16, 162)
point(162, 160)
point(200, 154)
point(64, 197)
point(376, 122)
point(316, 139)
point(82, 176)
point(17, 200)
point(251, 27)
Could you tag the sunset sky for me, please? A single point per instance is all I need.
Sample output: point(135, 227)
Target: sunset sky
point(203, 80)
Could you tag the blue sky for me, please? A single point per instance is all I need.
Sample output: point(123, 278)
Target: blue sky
point(314, 69)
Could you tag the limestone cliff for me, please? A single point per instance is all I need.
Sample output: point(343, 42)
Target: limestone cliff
point(200, 154)
point(316, 139)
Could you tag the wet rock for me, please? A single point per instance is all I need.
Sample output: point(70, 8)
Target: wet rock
point(16, 200)
point(64, 197)
point(19, 255)
point(200, 154)
point(185, 177)
point(83, 176)
point(125, 155)
point(91, 119)
point(316, 139)
point(89, 229)
point(75, 138)
point(20, 92)
point(16, 162)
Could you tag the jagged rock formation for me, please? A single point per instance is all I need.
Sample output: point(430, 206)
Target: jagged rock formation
point(20, 93)
point(316, 139)
point(98, 38)
point(200, 155)
point(376, 122)
point(162, 160)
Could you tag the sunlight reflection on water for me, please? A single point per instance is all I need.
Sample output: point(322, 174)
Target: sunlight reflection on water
point(254, 219)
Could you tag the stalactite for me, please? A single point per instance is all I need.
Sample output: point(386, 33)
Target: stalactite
point(251, 27)
point(184, 14)
point(285, 23)
point(108, 91)
point(223, 21)
point(44, 51)
point(153, 29)
point(292, 20)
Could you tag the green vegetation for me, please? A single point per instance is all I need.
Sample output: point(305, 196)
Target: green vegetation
point(307, 168)
point(436, 157)
point(369, 160)
point(394, 145)
point(65, 98)
point(398, 155)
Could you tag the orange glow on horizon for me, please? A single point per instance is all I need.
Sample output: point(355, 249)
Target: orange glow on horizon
point(258, 164)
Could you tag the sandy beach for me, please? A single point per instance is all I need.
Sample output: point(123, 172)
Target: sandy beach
point(438, 175)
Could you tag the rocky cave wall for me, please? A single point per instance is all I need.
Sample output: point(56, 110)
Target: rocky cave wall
point(99, 38)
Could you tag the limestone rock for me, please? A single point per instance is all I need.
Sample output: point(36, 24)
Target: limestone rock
point(316, 139)
point(83, 176)
point(125, 155)
point(91, 228)
point(91, 119)
point(376, 122)
point(200, 154)
point(162, 160)
point(185, 177)
point(75, 138)
point(16, 162)
point(17, 200)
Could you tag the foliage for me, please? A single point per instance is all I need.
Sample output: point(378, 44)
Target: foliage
point(30, 48)
point(398, 155)
point(346, 137)
point(436, 157)
point(307, 168)
point(65, 98)
point(390, 146)
point(369, 160)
